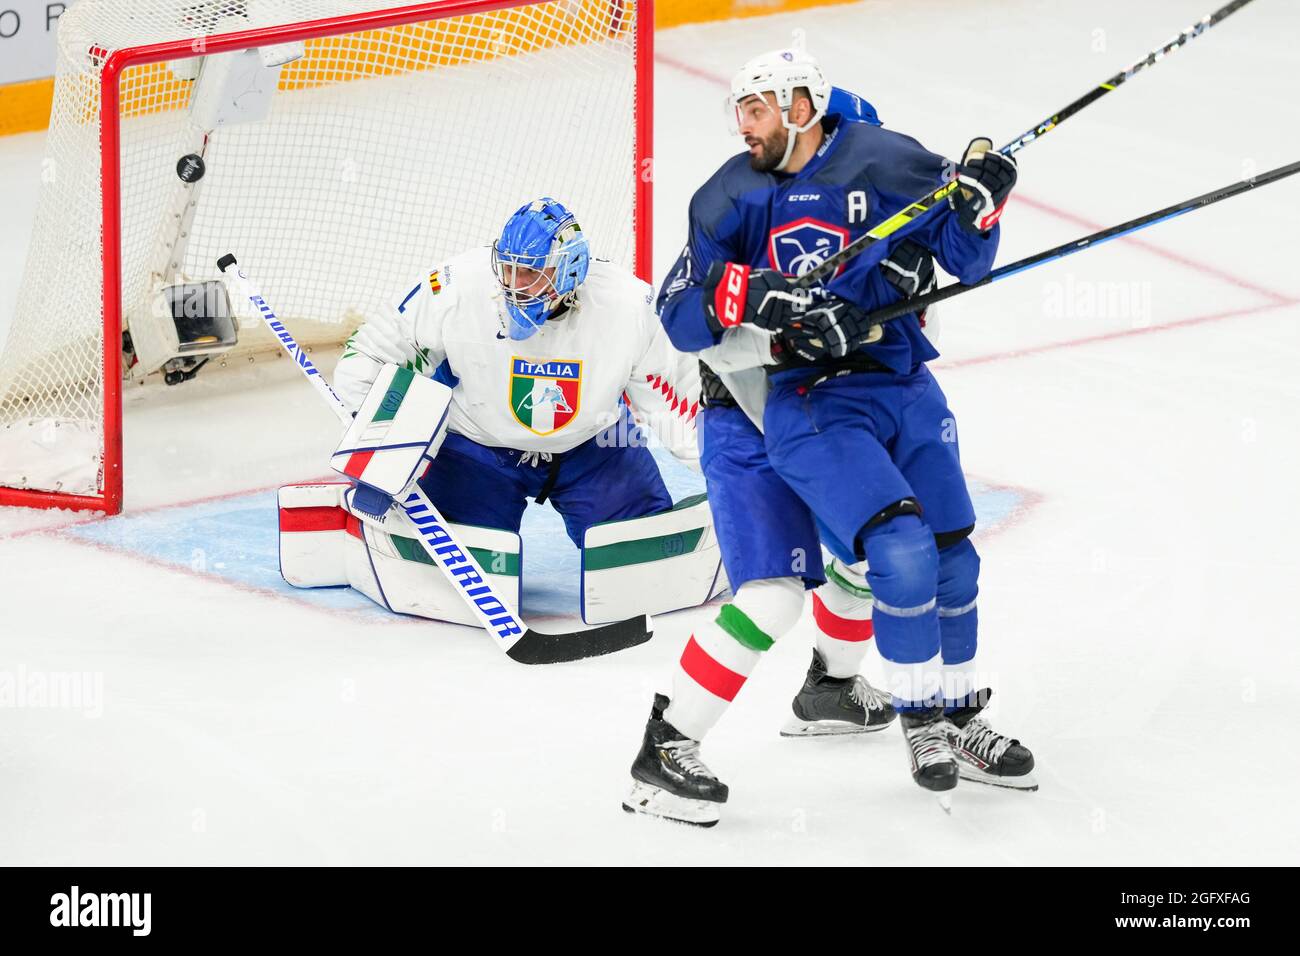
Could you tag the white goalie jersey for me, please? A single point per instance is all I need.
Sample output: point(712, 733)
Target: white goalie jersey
point(550, 392)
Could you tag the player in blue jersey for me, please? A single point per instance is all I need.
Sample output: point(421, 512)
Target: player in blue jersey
point(854, 425)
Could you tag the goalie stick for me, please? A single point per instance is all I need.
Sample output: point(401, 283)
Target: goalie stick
point(520, 642)
point(917, 303)
point(923, 205)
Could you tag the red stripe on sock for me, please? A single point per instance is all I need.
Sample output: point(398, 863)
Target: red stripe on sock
point(324, 518)
point(704, 670)
point(357, 463)
point(840, 628)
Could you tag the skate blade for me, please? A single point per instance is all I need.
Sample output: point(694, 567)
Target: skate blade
point(796, 727)
point(657, 802)
point(1025, 782)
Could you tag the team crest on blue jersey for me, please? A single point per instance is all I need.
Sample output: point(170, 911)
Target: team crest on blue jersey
point(545, 394)
point(800, 246)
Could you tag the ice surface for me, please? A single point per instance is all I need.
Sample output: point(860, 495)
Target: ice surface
point(1135, 600)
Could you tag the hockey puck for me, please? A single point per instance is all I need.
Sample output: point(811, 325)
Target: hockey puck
point(190, 168)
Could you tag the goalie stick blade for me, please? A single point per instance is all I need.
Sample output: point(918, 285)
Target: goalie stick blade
point(538, 648)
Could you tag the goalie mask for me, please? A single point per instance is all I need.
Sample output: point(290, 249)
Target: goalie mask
point(539, 261)
point(780, 73)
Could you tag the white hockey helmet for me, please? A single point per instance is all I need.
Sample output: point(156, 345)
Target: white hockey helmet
point(781, 72)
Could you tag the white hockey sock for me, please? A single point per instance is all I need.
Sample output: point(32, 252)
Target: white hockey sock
point(919, 683)
point(712, 669)
point(720, 656)
point(959, 681)
point(842, 612)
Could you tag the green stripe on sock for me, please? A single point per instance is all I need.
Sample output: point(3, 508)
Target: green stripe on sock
point(396, 393)
point(623, 553)
point(841, 581)
point(737, 623)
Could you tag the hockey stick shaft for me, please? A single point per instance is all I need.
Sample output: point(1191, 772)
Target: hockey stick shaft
point(244, 286)
point(909, 306)
point(1122, 77)
point(888, 227)
point(453, 559)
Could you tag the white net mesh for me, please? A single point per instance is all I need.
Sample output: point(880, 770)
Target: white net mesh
point(382, 151)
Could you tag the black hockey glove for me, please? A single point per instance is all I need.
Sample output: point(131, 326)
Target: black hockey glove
point(735, 293)
point(985, 178)
point(831, 328)
point(713, 392)
point(909, 268)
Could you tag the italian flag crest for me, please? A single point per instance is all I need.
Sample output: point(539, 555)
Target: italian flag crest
point(544, 395)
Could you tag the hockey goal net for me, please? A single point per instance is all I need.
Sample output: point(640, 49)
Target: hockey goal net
point(366, 141)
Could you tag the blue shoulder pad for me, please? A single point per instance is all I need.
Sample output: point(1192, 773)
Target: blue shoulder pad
point(852, 107)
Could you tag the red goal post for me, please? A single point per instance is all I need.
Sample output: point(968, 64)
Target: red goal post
point(462, 34)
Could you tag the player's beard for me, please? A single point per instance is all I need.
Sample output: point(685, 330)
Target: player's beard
point(771, 151)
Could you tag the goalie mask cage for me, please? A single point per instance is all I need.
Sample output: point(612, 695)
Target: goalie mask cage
point(392, 136)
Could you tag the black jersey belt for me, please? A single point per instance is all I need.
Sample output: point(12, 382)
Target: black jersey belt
point(715, 394)
point(831, 369)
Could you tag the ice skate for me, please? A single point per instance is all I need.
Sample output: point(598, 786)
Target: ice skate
point(929, 741)
point(984, 755)
point(837, 705)
point(668, 778)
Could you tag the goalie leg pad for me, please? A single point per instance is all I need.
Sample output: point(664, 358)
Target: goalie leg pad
point(651, 565)
point(398, 429)
point(313, 535)
point(322, 544)
point(395, 571)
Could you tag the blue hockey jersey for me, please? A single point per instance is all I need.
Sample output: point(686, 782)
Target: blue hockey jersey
point(861, 175)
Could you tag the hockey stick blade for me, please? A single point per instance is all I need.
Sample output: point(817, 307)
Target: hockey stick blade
point(538, 648)
point(520, 642)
